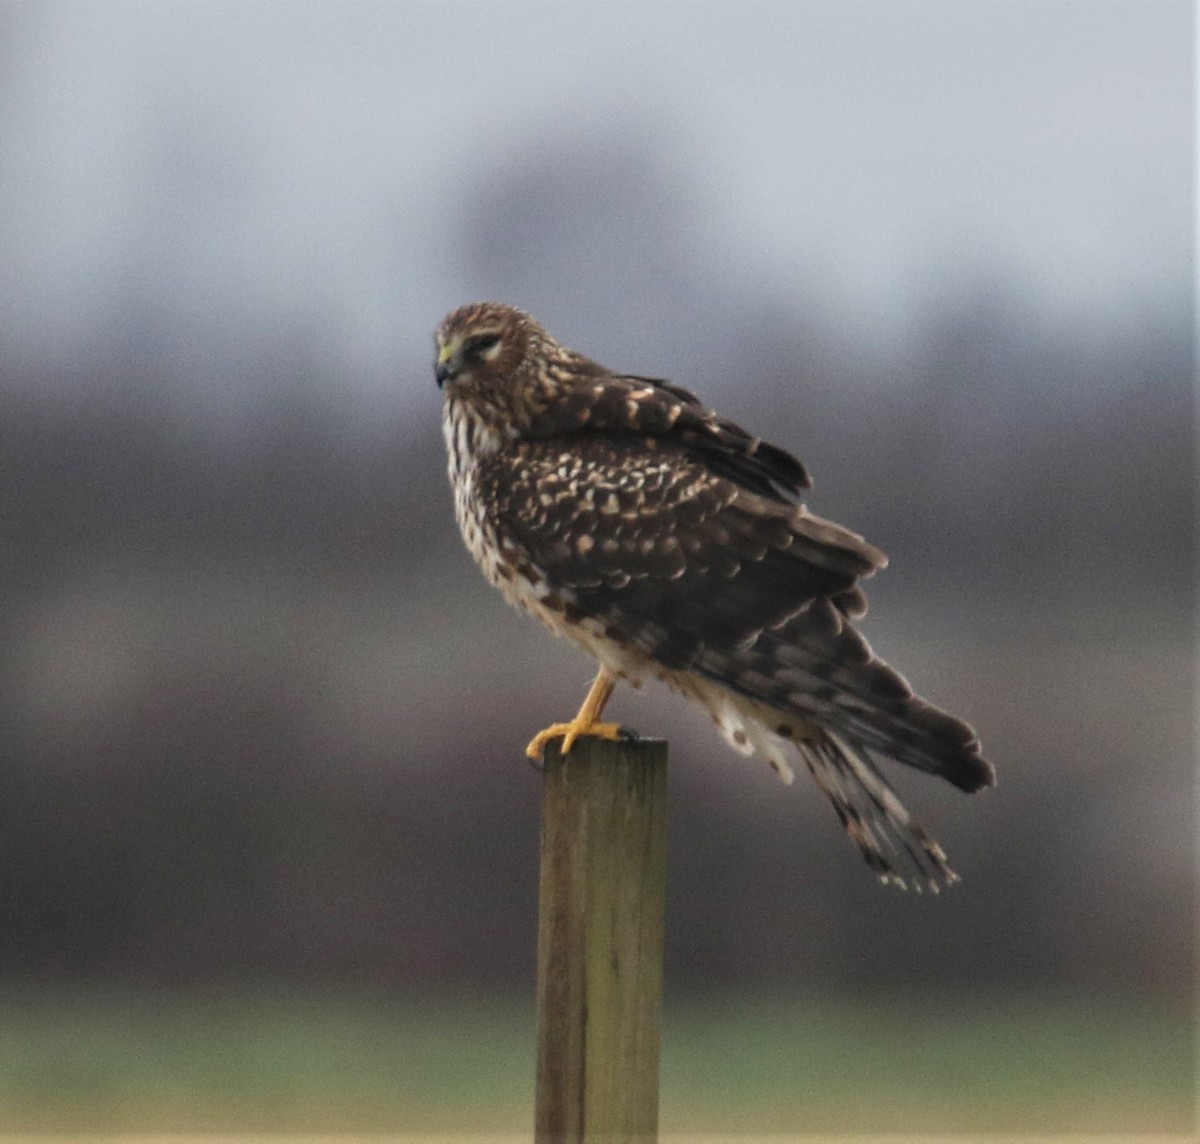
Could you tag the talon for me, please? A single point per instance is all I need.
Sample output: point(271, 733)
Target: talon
point(538, 743)
point(586, 722)
point(569, 732)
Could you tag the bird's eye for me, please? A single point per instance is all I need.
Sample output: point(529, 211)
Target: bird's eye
point(480, 343)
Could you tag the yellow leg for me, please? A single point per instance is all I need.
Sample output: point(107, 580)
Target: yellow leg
point(585, 722)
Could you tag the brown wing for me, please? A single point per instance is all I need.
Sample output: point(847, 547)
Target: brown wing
point(604, 403)
point(705, 575)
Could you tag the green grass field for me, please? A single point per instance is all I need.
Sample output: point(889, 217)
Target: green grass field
point(247, 1063)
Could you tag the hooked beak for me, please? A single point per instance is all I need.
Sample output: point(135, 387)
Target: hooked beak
point(444, 368)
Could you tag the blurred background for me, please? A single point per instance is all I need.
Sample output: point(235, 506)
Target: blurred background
point(268, 842)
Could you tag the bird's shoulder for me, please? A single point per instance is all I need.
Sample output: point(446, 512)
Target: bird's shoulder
point(599, 403)
point(598, 491)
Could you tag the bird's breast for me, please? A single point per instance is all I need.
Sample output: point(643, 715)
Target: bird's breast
point(463, 434)
point(505, 562)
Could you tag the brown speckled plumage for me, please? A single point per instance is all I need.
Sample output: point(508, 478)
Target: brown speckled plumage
point(670, 543)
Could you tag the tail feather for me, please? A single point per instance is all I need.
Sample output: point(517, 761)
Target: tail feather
point(820, 667)
point(895, 846)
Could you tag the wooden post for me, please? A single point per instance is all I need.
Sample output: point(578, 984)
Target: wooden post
point(600, 942)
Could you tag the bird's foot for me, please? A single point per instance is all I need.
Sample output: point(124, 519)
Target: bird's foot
point(569, 732)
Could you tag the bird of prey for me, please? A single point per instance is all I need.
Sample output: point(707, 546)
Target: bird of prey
point(669, 543)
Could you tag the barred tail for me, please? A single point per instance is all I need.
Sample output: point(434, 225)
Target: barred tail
point(896, 847)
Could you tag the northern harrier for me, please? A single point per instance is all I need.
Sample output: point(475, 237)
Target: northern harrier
point(670, 543)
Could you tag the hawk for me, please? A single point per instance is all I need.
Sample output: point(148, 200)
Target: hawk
point(669, 543)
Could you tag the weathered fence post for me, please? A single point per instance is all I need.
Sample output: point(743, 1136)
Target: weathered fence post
point(600, 942)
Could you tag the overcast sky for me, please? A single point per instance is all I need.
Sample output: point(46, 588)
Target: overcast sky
point(234, 168)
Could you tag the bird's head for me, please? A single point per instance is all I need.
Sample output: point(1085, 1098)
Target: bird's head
point(487, 352)
point(506, 373)
point(501, 368)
